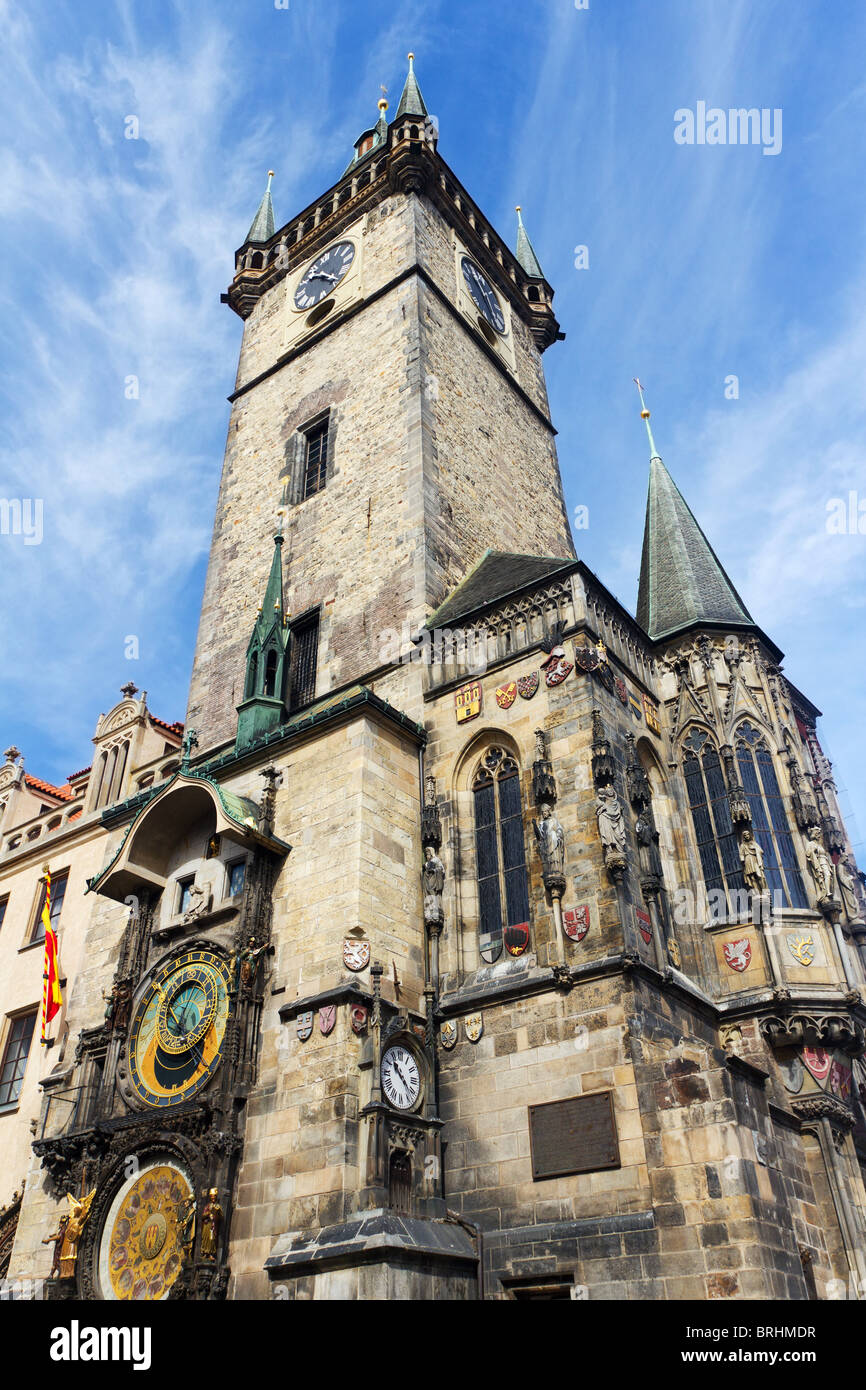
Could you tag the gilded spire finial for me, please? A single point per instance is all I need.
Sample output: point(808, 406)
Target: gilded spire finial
point(645, 416)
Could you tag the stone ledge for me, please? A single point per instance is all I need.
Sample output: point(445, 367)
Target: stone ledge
point(377, 1235)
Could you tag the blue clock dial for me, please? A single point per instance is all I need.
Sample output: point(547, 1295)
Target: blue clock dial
point(324, 275)
point(484, 295)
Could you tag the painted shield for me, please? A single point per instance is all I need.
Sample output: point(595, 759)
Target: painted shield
point(575, 922)
point(305, 1025)
point(586, 658)
point(621, 689)
point(644, 925)
point(675, 955)
point(356, 954)
point(818, 1060)
point(448, 1034)
point(634, 705)
point(467, 702)
point(506, 695)
point(840, 1080)
point(490, 945)
point(359, 1017)
point(738, 953)
point(802, 947)
point(651, 714)
point(528, 685)
point(793, 1074)
point(516, 938)
point(557, 668)
point(327, 1018)
point(605, 675)
point(474, 1025)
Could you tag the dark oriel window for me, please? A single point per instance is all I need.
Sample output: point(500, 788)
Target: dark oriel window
point(500, 854)
point(305, 646)
point(58, 893)
point(15, 1057)
point(316, 458)
point(711, 816)
point(769, 819)
point(4, 903)
point(271, 672)
point(184, 886)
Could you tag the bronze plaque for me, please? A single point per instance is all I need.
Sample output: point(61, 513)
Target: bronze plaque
point(573, 1136)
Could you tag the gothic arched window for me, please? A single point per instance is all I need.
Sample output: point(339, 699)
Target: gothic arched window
point(271, 672)
point(500, 853)
point(769, 819)
point(711, 815)
point(252, 675)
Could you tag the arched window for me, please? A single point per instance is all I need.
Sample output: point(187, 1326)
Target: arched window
point(711, 816)
point(252, 675)
point(769, 820)
point(271, 672)
point(500, 854)
point(103, 759)
point(116, 789)
point(108, 779)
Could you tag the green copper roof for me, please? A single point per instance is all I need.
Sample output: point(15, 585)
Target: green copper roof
point(271, 611)
point(525, 254)
point(411, 102)
point(379, 133)
point(681, 580)
point(263, 222)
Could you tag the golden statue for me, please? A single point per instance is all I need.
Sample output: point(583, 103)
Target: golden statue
point(79, 1211)
point(211, 1218)
point(186, 1224)
point(57, 1238)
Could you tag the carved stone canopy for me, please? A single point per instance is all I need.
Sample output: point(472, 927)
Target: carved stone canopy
point(796, 1029)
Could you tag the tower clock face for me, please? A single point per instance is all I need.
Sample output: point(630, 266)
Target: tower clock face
point(324, 274)
point(484, 295)
point(141, 1250)
point(177, 1030)
point(401, 1079)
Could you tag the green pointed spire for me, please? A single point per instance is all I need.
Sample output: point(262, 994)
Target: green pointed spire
point(263, 222)
point(682, 581)
point(262, 708)
point(525, 254)
point(411, 102)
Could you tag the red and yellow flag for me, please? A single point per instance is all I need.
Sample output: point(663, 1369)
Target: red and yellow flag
point(52, 998)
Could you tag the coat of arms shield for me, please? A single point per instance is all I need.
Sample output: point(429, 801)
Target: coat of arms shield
point(738, 953)
point(840, 1080)
point(527, 685)
point(644, 925)
point(506, 695)
point(556, 668)
point(327, 1018)
point(474, 1025)
point(356, 954)
point(359, 1015)
point(305, 1024)
point(516, 938)
point(802, 947)
point(586, 657)
point(448, 1034)
point(575, 922)
point(818, 1060)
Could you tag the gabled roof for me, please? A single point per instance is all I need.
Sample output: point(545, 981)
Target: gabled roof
point(496, 575)
point(682, 581)
point(36, 784)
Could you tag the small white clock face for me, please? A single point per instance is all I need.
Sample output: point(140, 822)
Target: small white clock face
point(401, 1079)
point(324, 274)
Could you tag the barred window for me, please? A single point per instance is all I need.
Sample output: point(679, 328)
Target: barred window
point(305, 647)
point(500, 854)
point(15, 1057)
point(769, 818)
point(711, 817)
point(316, 458)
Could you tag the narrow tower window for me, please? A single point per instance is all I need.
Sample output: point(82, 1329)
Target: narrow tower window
point(711, 816)
point(500, 855)
point(305, 645)
point(316, 458)
point(769, 821)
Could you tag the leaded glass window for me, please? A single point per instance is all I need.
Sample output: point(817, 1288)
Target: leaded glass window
point(500, 853)
point(711, 818)
point(769, 818)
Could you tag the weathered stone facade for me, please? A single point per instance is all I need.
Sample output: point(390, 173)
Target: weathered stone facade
point(722, 1041)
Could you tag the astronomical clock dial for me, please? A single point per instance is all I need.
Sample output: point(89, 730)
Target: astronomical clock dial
point(177, 1030)
point(141, 1247)
point(324, 275)
point(401, 1079)
point(484, 295)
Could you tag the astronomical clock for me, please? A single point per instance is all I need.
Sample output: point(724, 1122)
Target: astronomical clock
point(148, 1163)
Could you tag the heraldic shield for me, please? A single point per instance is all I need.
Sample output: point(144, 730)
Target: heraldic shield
point(448, 1034)
point(474, 1025)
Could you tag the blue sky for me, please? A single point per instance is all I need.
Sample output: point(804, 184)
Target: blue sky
point(705, 262)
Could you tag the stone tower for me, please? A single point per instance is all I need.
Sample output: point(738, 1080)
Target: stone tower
point(390, 398)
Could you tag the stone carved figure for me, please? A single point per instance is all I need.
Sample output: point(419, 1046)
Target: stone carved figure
point(611, 825)
point(117, 1005)
point(820, 864)
point(433, 883)
point(245, 964)
point(57, 1238)
point(211, 1220)
point(847, 884)
point(648, 846)
point(752, 860)
point(551, 843)
point(199, 903)
point(79, 1211)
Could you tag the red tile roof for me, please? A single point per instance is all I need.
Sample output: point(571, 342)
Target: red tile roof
point(176, 728)
point(37, 785)
point(74, 776)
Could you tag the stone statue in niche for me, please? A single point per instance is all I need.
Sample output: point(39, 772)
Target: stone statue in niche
point(433, 883)
point(752, 860)
point(244, 965)
point(846, 882)
point(611, 825)
point(199, 903)
point(648, 846)
point(820, 865)
point(551, 843)
point(211, 1219)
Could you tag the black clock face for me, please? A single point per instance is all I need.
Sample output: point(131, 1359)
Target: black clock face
point(484, 294)
point(324, 274)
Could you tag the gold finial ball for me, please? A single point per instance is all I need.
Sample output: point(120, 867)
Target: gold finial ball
point(270, 173)
point(383, 105)
point(517, 208)
point(644, 415)
point(411, 57)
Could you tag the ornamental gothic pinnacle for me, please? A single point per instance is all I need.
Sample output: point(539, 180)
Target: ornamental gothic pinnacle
point(456, 969)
